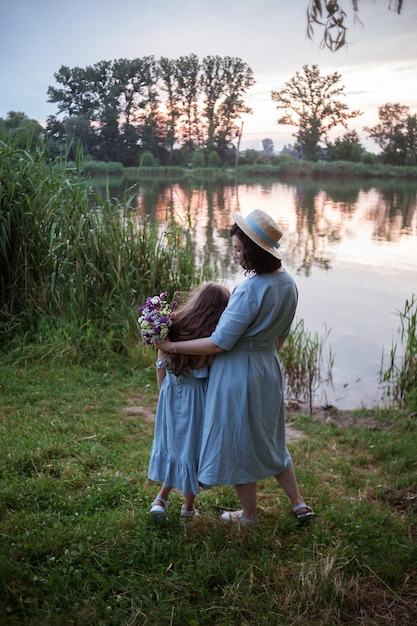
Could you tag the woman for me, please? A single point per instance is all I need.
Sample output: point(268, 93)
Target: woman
point(244, 425)
point(182, 382)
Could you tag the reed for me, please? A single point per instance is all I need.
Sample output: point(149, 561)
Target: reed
point(400, 373)
point(305, 364)
point(74, 267)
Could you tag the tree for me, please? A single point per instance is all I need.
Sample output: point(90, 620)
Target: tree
point(139, 100)
point(169, 86)
point(346, 148)
point(396, 134)
point(80, 97)
point(188, 77)
point(250, 157)
point(310, 102)
point(224, 81)
point(115, 97)
point(20, 130)
point(74, 96)
point(411, 150)
point(334, 28)
point(65, 137)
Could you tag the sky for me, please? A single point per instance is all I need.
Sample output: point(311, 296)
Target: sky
point(379, 64)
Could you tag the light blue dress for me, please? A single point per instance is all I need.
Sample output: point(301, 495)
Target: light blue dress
point(178, 430)
point(244, 424)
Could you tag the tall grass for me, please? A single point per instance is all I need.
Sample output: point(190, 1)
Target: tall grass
point(401, 372)
point(73, 266)
point(305, 364)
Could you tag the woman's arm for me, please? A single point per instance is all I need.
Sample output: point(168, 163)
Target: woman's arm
point(203, 346)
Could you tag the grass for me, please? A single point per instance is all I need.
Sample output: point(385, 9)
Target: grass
point(78, 545)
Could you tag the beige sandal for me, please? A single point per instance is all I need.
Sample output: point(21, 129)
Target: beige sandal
point(158, 511)
point(188, 516)
point(309, 513)
point(236, 516)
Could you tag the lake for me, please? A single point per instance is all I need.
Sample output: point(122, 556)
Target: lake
point(351, 247)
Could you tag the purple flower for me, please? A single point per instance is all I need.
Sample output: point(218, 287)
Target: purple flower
point(155, 318)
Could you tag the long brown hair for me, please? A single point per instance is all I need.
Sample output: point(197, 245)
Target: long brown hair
point(197, 317)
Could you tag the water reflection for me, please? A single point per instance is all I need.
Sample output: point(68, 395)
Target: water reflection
point(352, 247)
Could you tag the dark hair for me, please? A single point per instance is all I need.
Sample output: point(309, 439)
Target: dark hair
point(254, 258)
point(197, 317)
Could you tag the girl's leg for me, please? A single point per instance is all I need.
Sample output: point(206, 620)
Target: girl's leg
point(164, 493)
point(160, 504)
point(188, 502)
point(188, 511)
point(247, 496)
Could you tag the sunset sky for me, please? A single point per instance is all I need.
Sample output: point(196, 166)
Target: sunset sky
point(378, 66)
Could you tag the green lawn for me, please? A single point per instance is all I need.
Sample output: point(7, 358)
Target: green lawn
point(78, 545)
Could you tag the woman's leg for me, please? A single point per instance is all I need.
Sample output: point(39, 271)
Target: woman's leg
point(288, 482)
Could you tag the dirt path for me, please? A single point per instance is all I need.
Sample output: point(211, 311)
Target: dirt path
point(136, 408)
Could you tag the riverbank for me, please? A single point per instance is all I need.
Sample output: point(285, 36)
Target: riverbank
point(281, 168)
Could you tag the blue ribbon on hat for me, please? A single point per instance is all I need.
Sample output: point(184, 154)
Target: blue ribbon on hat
point(261, 233)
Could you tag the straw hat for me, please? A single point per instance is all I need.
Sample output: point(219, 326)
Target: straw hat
point(262, 229)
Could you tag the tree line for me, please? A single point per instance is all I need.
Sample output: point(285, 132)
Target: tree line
point(125, 108)
point(176, 111)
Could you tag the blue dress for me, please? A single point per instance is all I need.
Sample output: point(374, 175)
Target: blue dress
point(178, 430)
point(244, 424)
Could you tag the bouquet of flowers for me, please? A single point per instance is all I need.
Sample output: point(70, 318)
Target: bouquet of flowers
point(155, 318)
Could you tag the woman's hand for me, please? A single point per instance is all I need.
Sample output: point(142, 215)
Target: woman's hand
point(196, 347)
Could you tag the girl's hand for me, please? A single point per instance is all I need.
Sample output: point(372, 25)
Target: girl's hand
point(166, 345)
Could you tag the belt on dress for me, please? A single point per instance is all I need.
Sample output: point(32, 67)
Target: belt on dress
point(253, 344)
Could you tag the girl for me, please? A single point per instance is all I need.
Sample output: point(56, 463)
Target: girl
point(182, 381)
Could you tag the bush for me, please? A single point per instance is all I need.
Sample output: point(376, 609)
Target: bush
point(197, 159)
point(148, 160)
point(214, 159)
point(368, 158)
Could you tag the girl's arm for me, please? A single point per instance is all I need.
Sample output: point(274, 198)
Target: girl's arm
point(160, 371)
point(280, 342)
point(203, 346)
